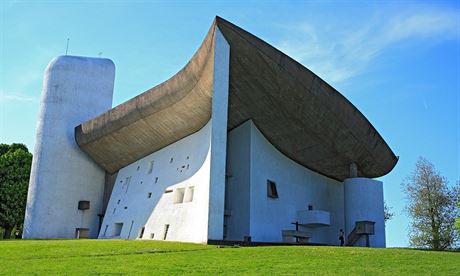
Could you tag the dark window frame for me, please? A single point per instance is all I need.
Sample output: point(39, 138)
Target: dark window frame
point(272, 192)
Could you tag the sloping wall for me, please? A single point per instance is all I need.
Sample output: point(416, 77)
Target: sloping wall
point(167, 187)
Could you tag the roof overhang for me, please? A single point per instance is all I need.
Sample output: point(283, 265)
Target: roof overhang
point(299, 113)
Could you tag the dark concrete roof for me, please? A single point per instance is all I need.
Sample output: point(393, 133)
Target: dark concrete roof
point(299, 113)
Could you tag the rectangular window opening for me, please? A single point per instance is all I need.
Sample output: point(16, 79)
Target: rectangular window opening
point(152, 236)
point(166, 231)
point(141, 232)
point(179, 195)
point(149, 195)
point(189, 194)
point(150, 167)
point(126, 184)
point(271, 189)
point(117, 227)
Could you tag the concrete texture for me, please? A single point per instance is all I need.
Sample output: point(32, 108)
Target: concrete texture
point(75, 89)
point(300, 114)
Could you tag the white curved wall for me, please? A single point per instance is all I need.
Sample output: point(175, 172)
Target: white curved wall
point(145, 202)
point(251, 161)
point(364, 201)
point(75, 89)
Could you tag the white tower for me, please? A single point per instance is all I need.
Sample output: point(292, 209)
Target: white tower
point(364, 203)
point(66, 187)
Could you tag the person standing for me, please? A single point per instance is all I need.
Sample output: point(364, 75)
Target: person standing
point(341, 237)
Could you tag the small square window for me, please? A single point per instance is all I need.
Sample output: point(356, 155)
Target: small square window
point(149, 195)
point(271, 189)
point(179, 195)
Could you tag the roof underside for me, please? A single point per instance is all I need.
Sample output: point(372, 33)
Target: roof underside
point(299, 113)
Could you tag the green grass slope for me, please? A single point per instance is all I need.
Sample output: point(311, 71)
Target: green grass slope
point(89, 257)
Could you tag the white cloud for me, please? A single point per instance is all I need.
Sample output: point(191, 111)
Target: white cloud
point(15, 97)
point(338, 55)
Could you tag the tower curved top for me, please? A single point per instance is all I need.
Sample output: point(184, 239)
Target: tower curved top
point(298, 112)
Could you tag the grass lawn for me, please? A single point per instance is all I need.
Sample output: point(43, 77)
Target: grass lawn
point(83, 257)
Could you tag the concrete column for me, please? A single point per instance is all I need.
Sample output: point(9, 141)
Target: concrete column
point(364, 202)
point(75, 89)
point(218, 137)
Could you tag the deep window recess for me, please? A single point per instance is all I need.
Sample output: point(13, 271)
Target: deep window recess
point(83, 205)
point(117, 229)
point(189, 194)
point(149, 195)
point(152, 236)
point(166, 231)
point(179, 195)
point(150, 167)
point(168, 191)
point(141, 232)
point(271, 189)
point(156, 180)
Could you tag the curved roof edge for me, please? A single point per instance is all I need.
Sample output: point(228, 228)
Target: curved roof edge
point(300, 114)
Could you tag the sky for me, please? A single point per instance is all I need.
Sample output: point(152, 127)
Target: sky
point(398, 62)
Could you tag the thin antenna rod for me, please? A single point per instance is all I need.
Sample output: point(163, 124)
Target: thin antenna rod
point(67, 48)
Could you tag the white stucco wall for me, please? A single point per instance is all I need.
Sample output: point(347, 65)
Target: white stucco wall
point(218, 136)
point(183, 164)
point(75, 89)
point(199, 162)
point(297, 188)
point(364, 201)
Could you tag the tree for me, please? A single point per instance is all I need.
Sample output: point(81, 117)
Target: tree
point(432, 207)
point(388, 214)
point(15, 163)
point(457, 222)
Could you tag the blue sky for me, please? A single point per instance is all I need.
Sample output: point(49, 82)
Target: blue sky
point(397, 62)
